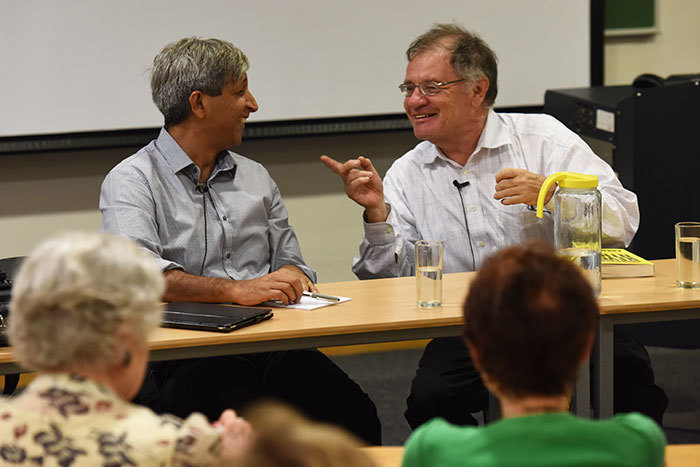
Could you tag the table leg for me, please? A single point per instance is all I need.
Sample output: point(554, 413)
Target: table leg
point(493, 412)
point(603, 369)
point(582, 392)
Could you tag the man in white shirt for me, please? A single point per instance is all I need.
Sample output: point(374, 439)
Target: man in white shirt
point(472, 183)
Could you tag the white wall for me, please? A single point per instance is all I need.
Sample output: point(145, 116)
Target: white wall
point(675, 49)
point(49, 192)
point(309, 58)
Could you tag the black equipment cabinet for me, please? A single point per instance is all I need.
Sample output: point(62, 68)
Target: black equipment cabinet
point(651, 138)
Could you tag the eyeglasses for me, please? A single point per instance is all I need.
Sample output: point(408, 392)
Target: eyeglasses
point(427, 88)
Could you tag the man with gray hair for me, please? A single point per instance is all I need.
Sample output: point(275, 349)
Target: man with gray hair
point(473, 183)
point(217, 225)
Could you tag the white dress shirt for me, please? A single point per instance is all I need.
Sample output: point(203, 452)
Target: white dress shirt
point(425, 204)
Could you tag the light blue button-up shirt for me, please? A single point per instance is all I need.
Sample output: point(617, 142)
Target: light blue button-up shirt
point(234, 227)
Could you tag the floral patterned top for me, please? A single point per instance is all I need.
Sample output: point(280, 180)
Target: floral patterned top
point(66, 420)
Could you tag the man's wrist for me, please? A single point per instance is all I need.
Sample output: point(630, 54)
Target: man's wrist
point(377, 214)
point(234, 290)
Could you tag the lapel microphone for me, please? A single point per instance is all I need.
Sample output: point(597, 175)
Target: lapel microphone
point(459, 187)
point(203, 189)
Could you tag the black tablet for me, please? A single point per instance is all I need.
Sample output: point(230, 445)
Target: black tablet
point(211, 316)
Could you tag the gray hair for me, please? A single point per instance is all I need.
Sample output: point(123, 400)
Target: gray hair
point(193, 64)
point(73, 292)
point(472, 58)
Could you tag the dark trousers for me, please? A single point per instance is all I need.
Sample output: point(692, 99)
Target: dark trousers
point(305, 379)
point(447, 384)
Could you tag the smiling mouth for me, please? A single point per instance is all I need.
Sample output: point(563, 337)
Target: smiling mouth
point(422, 116)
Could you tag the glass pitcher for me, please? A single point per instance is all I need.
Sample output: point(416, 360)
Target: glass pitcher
point(577, 221)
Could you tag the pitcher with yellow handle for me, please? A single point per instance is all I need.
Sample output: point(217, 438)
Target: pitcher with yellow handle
point(577, 221)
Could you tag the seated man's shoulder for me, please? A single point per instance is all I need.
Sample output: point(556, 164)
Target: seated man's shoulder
point(424, 151)
point(140, 161)
point(538, 127)
point(533, 123)
point(251, 174)
point(246, 163)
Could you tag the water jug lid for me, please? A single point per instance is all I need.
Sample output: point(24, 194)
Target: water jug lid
point(576, 180)
point(565, 180)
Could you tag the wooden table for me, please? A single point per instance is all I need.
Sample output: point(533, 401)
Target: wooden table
point(384, 310)
point(636, 300)
point(385, 456)
point(677, 455)
point(381, 310)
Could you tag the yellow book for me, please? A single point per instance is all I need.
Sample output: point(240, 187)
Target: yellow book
point(618, 262)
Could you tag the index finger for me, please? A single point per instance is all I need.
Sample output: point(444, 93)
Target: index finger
point(310, 286)
point(332, 164)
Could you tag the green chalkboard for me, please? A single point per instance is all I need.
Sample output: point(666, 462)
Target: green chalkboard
point(629, 14)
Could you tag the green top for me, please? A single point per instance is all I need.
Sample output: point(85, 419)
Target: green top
point(552, 439)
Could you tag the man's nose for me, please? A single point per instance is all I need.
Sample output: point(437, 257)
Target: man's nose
point(252, 103)
point(416, 97)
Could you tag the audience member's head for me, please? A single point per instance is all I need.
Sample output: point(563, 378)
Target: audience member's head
point(85, 301)
point(193, 64)
point(287, 439)
point(530, 321)
point(472, 58)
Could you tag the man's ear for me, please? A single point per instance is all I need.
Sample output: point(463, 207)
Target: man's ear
point(479, 88)
point(197, 104)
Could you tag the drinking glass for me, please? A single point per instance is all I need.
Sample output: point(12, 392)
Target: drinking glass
point(688, 254)
point(429, 273)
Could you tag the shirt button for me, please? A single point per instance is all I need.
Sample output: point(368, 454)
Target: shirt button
point(389, 230)
point(223, 218)
point(481, 244)
point(228, 255)
point(466, 172)
point(473, 208)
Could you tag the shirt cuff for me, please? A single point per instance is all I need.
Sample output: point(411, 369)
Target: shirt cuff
point(549, 205)
point(166, 265)
point(379, 233)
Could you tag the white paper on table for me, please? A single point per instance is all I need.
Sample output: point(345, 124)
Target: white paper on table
point(307, 303)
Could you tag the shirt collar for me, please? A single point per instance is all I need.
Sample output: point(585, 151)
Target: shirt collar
point(493, 135)
point(173, 154)
point(178, 160)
